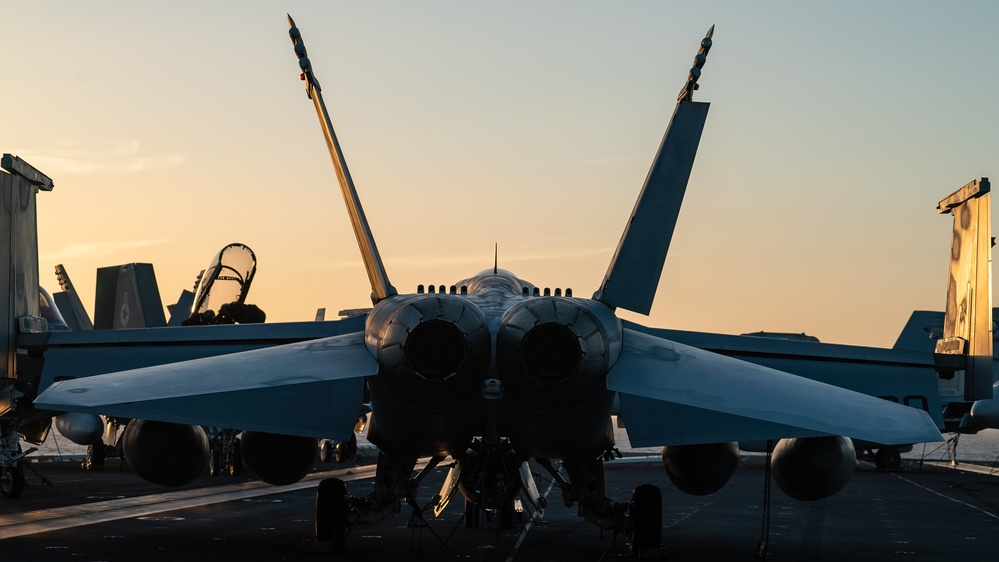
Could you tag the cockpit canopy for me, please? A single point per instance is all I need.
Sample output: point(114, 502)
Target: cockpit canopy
point(226, 279)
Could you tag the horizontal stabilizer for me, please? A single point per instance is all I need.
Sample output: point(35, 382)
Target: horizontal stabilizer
point(312, 388)
point(676, 394)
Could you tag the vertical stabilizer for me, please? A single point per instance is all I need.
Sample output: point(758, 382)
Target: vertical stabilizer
point(69, 303)
point(380, 286)
point(633, 275)
point(181, 310)
point(968, 316)
point(19, 304)
point(127, 296)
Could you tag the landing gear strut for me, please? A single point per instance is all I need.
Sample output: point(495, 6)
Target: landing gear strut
point(339, 451)
point(107, 447)
point(11, 467)
point(226, 454)
point(641, 520)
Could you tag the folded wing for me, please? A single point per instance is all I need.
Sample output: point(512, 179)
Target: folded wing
point(673, 394)
point(312, 388)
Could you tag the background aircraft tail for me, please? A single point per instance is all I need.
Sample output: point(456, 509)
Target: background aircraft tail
point(925, 327)
point(20, 305)
point(921, 331)
point(966, 342)
point(69, 304)
point(127, 296)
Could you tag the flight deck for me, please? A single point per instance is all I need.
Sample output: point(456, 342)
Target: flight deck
point(925, 511)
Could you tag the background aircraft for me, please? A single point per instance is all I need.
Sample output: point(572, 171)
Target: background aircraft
point(128, 297)
point(921, 332)
point(490, 371)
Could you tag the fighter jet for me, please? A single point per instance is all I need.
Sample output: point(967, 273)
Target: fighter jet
point(490, 371)
point(128, 297)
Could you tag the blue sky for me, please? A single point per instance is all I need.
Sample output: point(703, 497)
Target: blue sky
point(173, 129)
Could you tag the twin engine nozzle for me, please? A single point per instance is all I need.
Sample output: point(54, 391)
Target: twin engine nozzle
point(541, 342)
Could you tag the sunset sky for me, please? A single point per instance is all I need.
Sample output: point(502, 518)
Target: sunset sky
point(172, 129)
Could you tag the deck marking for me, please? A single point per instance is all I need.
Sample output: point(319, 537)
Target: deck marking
point(946, 497)
point(523, 534)
point(43, 520)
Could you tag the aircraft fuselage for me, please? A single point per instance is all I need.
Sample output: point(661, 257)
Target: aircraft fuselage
point(491, 357)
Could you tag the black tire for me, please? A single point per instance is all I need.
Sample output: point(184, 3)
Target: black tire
point(646, 519)
point(326, 450)
point(352, 447)
point(340, 452)
point(888, 458)
point(331, 513)
point(95, 455)
point(506, 515)
point(12, 482)
point(472, 512)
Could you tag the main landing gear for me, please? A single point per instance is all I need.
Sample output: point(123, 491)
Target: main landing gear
point(646, 516)
point(885, 457)
point(226, 454)
point(108, 447)
point(12, 481)
point(338, 451)
point(11, 459)
point(640, 519)
point(888, 458)
point(332, 512)
point(490, 492)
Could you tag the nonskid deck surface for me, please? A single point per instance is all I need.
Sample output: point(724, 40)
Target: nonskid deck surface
point(922, 512)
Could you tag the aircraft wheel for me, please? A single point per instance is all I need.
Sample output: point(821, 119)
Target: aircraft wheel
point(352, 447)
point(646, 519)
point(12, 482)
point(331, 513)
point(95, 456)
point(326, 450)
point(888, 458)
point(506, 515)
point(471, 515)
